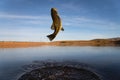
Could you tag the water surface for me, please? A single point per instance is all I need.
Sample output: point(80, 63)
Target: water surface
point(105, 60)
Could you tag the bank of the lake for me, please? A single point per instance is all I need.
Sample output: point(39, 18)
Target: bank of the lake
point(95, 42)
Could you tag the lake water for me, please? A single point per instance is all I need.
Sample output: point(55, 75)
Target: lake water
point(104, 60)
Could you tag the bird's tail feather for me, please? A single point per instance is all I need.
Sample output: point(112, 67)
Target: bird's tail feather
point(51, 37)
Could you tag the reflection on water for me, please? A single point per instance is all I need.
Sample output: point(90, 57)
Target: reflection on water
point(106, 60)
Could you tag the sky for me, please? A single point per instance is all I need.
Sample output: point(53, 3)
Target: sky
point(30, 20)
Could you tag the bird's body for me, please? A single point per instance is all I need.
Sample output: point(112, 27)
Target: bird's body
point(56, 25)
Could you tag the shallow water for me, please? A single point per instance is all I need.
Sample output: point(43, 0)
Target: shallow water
point(104, 60)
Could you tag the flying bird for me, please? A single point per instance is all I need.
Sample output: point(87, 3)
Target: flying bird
point(56, 25)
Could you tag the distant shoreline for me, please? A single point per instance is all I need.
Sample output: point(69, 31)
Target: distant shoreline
point(95, 42)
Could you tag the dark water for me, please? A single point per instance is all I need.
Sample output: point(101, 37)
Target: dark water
point(104, 60)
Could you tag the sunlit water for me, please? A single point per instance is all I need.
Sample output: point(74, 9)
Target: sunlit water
point(105, 60)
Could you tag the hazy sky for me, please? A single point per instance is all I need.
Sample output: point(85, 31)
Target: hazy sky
point(30, 20)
